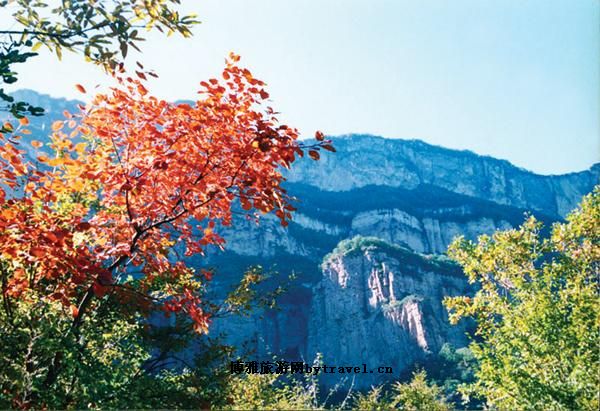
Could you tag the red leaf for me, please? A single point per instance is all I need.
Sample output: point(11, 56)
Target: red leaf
point(83, 226)
point(37, 252)
point(99, 290)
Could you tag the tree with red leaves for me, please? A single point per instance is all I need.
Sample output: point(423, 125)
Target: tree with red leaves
point(133, 179)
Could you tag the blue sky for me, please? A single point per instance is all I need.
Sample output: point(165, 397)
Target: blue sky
point(515, 79)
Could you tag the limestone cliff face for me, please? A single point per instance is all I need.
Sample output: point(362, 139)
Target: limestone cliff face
point(381, 305)
point(265, 237)
point(426, 235)
point(366, 160)
point(429, 232)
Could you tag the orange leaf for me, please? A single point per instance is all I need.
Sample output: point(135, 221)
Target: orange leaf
point(80, 88)
point(36, 144)
point(57, 125)
point(314, 154)
point(24, 121)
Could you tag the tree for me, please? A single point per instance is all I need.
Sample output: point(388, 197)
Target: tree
point(103, 31)
point(119, 360)
point(537, 312)
point(135, 183)
point(415, 395)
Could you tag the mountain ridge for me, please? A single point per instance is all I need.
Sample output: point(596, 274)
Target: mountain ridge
point(47, 101)
point(465, 151)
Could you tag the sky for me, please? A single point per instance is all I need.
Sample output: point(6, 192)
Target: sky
point(514, 79)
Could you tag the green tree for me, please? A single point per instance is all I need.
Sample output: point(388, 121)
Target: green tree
point(415, 395)
point(537, 312)
point(120, 359)
point(101, 30)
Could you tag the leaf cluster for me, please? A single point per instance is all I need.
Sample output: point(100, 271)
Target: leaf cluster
point(101, 30)
point(537, 312)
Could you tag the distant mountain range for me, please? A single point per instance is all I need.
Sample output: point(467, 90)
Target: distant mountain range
point(367, 244)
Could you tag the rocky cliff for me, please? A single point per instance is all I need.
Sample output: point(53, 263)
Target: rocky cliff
point(368, 160)
point(381, 305)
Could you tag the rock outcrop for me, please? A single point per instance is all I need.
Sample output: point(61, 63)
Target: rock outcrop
point(381, 305)
point(426, 235)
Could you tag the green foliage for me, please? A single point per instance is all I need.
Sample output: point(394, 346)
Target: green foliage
point(419, 395)
point(121, 356)
point(416, 395)
point(266, 392)
point(248, 295)
point(537, 312)
point(278, 392)
point(95, 365)
point(12, 54)
point(102, 31)
point(451, 368)
point(372, 400)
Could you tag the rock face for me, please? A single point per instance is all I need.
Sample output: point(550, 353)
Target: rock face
point(381, 305)
point(427, 235)
point(364, 160)
point(374, 304)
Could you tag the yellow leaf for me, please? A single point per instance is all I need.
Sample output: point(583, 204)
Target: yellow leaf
point(54, 162)
point(80, 147)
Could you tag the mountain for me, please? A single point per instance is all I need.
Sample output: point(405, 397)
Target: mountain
point(365, 160)
point(367, 245)
point(388, 209)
